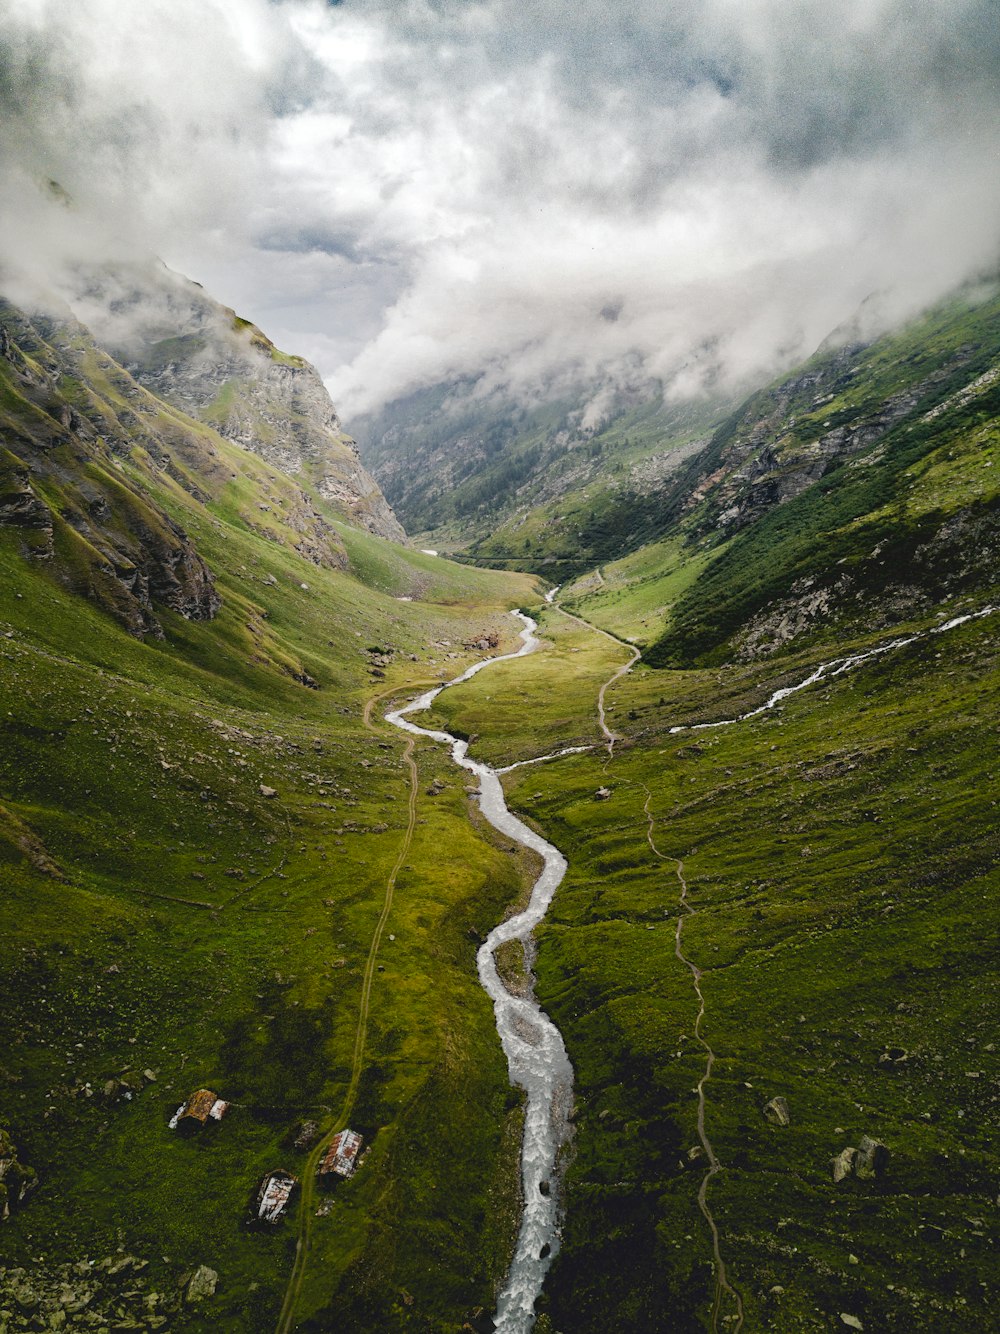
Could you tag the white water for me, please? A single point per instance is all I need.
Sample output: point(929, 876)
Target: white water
point(837, 667)
point(536, 1055)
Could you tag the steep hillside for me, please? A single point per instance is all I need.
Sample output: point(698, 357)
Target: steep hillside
point(562, 486)
point(200, 813)
point(204, 359)
point(859, 491)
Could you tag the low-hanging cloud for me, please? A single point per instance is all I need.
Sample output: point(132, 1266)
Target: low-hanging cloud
point(534, 196)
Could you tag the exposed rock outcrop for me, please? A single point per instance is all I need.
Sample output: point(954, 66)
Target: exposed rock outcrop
point(16, 1180)
point(204, 359)
point(62, 487)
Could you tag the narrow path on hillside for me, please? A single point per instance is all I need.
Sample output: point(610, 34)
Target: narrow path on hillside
point(635, 654)
point(286, 1320)
point(722, 1284)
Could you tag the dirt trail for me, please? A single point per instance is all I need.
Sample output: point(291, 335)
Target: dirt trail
point(610, 737)
point(722, 1285)
point(286, 1320)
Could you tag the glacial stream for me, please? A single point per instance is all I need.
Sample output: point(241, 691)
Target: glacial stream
point(536, 1055)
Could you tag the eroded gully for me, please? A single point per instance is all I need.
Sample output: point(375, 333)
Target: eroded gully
point(536, 1054)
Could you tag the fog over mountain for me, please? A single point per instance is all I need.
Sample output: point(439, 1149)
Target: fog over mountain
point(529, 194)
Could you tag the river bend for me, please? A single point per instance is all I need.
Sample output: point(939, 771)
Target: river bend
point(536, 1054)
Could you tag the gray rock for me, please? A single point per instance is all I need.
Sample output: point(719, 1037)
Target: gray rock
point(776, 1111)
point(866, 1162)
point(843, 1164)
point(872, 1160)
point(266, 791)
point(201, 1284)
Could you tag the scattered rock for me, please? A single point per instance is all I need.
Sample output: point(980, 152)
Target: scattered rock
point(851, 1321)
point(893, 1057)
point(602, 794)
point(307, 1135)
point(866, 1162)
point(873, 1157)
point(843, 1164)
point(266, 791)
point(201, 1284)
point(16, 1180)
point(776, 1111)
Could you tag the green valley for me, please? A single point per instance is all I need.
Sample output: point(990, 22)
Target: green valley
point(224, 871)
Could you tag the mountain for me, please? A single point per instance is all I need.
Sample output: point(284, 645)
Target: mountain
point(199, 811)
point(856, 492)
point(88, 441)
point(563, 485)
point(772, 959)
point(776, 488)
point(204, 359)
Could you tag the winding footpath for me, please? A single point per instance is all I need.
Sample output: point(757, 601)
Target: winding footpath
point(536, 1054)
point(635, 654)
point(722, 1283)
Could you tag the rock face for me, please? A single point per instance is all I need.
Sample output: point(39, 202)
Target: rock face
point(90, 449)
point(204, 359)
point(62, 485)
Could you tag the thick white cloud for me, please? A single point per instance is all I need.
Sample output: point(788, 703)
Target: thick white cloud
point(528, 193)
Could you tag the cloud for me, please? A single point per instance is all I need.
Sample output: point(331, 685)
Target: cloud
point(150, 118)
point(417, 192)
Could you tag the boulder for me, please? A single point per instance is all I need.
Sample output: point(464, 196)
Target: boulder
point(602, 794)
point(872, 1160)
point(201, 1284)
point(843, 1164)
point(776, 1111)
point(866, 1162)
point(266, 791)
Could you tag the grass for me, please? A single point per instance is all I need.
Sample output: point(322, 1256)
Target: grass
point(192, 926)
point(841, 857)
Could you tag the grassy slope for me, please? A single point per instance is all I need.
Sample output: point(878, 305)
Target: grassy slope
point(872, 517)
point(522, 489)
point(216, 936)
point(841, 857)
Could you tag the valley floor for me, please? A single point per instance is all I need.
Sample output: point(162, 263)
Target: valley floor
point(819, 879)
point(226, 886)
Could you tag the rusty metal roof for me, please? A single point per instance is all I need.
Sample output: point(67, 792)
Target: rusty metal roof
point(341, 1157)
point(199, 1105)
point(274, 1194)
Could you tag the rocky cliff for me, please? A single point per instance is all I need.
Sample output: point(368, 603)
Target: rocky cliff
point(158, 388)
point(65, 486)
point(203, 358)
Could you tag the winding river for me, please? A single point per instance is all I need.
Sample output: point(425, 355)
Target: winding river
point(536, 1055)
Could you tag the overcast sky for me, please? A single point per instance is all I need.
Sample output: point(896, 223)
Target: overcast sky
point(530, 191)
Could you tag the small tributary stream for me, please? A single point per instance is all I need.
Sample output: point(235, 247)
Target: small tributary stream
point(536, 1055)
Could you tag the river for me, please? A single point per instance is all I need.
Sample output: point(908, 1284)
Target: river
point(536, 1054)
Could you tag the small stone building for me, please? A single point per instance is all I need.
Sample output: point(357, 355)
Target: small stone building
point(341, 1158)
point(201, 1107)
